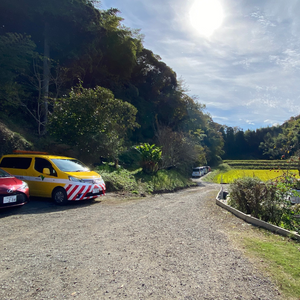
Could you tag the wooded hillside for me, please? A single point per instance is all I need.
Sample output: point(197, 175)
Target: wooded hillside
point(73, 75)
point(276, 142)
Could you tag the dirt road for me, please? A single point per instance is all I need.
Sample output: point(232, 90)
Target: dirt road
point(169, 246)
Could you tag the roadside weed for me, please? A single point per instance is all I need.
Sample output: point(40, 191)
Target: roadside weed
point(280, 257)
point(138, 182)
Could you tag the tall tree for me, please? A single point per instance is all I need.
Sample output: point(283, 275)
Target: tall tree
point(93, 120)
point(55, 26)
point(16, 51)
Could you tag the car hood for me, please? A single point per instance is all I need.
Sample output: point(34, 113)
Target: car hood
point(84, 175)
point(9, 183)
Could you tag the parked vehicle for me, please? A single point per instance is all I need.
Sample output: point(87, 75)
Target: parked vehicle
point(198, 172)
point(208, 168)
point(294, 199)
point(58, 177)
point(13, 192)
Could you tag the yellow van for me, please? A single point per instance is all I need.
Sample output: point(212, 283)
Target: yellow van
point(58, 177)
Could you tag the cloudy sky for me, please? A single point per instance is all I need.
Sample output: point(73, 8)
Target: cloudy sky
point(246, 71)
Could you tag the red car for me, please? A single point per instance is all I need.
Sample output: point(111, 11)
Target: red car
point(13, 192)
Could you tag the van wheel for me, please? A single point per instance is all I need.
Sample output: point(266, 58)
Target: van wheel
point(59, 196)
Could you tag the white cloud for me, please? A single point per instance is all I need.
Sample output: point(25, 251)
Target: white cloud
point(220, 118)
point(250, 122)
point(271, 122)
point(289, 59)
point(262, 19)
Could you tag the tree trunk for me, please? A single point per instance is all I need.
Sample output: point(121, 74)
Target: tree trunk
point(46, 76)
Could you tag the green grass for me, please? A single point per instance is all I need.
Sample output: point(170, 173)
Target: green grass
point(280, 256)
point(210, 177)
point(120, 180)
point(263, 175)
point(164, 181)
point(137, 182)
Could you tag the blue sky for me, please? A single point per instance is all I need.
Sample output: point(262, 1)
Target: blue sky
point(246, 73)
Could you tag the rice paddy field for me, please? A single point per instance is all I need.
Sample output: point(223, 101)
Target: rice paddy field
point(263, 175)
point(283, 164)
point(263, 169)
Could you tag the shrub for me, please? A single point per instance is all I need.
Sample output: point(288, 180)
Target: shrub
point(261, 200)
point(266, 201)
point(10, 141)
point(224, 167)
point(121, 180)
point(246, 195)
point(150, 157)
point(130, 159)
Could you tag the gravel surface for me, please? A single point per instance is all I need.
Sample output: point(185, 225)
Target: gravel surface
point(169, 246)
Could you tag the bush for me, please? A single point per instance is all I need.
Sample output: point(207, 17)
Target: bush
point(266, 201)
point(10, 141)
point(261, 200)
point(130, 159)
point(165, 181)
point(138, 182)
point(121, 180)
point(224, 167)
point(245, 195)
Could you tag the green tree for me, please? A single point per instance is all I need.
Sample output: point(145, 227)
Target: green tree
point(55, 26)
point(179, 149)
point(240, 144)
point(157, 98)
point(93, 121)
point(16, 51)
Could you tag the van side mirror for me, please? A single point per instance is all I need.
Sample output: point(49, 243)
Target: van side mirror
point(46, 171)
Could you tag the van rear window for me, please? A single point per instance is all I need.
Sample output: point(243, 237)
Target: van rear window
point(16, 162)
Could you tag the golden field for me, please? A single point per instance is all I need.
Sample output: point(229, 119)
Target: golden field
point(263, 175)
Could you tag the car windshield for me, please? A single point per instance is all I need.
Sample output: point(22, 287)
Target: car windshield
point(70, 165)
point(4, 174)
point(196, 170)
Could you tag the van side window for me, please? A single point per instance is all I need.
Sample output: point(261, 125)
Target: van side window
point(41, 163)
point(16, 162)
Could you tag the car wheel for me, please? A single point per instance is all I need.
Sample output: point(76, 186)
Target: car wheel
point(59, 196)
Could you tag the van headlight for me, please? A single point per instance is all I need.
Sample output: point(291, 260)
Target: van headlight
point(75, 179)
point(98, 180)
point(23, 186)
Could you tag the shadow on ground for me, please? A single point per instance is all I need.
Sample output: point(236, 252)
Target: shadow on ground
point(44, 205)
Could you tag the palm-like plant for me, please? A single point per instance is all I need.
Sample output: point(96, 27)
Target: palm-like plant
point(150, 157)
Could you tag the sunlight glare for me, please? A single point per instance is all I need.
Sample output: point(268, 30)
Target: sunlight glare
point(206, 16)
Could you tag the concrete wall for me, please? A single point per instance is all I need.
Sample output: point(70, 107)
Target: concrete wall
point(254, 221)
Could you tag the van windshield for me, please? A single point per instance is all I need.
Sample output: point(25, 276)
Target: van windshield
point(70, 165)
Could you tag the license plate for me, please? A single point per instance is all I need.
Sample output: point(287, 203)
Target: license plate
point(9, 199)
point(95, 191)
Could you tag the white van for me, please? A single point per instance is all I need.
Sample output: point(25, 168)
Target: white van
point(198, 172)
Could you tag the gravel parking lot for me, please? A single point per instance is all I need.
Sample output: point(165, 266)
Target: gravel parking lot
point(169, 246)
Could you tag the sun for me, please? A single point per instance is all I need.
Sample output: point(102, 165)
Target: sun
point(206, 16)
